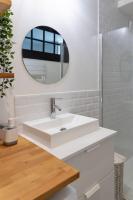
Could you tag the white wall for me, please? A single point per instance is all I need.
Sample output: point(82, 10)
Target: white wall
point(77, 22)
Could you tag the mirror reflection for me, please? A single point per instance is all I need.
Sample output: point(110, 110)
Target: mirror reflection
point(45, 55)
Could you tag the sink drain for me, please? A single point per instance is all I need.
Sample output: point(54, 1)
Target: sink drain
point(63, 129)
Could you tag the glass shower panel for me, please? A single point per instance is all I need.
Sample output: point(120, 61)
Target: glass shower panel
point(117, 91)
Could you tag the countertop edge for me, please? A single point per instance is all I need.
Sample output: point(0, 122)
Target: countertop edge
point(58, 187)
point(67, 150)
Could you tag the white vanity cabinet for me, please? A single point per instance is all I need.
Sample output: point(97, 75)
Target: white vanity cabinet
point(95, 164)
point(93, 156)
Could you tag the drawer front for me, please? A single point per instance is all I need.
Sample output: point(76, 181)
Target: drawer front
point(101, 191)
point(107, 187)
point(94, 164)
point(93, 193)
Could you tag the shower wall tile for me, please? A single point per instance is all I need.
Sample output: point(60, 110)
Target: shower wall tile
point(30, 107)
point(117, 75)
point(117, 79)
point(117, 62)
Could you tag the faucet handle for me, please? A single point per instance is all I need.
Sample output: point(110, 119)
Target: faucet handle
point(59, 98)
point(53, 99)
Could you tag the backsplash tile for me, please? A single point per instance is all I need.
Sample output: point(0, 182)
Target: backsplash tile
point(30, 107)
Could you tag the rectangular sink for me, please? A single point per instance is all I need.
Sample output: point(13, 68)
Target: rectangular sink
point(66, 127)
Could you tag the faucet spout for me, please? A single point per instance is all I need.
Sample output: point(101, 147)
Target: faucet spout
point(58, 108)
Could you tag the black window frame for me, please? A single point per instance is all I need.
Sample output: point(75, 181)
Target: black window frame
point(42, 55)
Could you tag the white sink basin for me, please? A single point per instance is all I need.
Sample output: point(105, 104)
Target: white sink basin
point(66, 127)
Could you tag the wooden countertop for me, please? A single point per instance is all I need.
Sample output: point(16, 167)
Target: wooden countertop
point(28, 172)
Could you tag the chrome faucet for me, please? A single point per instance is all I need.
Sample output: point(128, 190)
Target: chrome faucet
point(54, 107)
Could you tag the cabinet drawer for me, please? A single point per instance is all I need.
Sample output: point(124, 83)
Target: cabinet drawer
point(107, 187)
point(104, 192)
point(94, 164)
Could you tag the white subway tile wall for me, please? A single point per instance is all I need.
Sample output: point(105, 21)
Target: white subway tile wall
point(118, 91)
point(30, 107)
point(117, 78)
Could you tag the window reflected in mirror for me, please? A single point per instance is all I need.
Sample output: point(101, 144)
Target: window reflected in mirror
point(45, 55)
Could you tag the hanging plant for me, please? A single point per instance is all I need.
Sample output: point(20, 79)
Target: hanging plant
point(6, 53)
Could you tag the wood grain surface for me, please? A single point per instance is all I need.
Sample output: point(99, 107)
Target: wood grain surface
point(28, 172)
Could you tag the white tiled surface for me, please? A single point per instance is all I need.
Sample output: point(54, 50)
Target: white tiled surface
point(118, 82)
point(117, 86)
point(29, 107)
point(118, 95)
point(117, 74)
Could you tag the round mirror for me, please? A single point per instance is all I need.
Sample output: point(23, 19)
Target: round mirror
point(45, 55)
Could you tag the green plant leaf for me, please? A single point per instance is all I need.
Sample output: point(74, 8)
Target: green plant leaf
point(6, 53)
